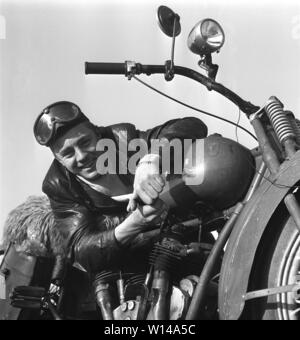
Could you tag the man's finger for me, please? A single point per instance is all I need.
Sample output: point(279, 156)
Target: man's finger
point(157, 187)
point(144, 196)
point(150, 191)
point(160, 180)
point(132, 205)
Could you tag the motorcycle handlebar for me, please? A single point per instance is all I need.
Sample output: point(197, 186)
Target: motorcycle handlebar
point(122, 68)
point(131, 68)
point(105, 68)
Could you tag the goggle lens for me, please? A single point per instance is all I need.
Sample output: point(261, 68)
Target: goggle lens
point(58, 114)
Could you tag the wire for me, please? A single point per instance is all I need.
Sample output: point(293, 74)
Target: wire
point(277, 185)
point(280, 186)
point(194, 108)
point(236, 127)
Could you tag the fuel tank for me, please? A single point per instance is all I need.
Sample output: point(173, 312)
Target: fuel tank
point(217, 171)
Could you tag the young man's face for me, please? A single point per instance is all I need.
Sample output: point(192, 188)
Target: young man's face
point(76, 150)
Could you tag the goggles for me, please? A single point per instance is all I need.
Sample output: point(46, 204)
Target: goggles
point(55, 117)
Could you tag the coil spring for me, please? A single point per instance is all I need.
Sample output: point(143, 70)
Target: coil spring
point(280, 121)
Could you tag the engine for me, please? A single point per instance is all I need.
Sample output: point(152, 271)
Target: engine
point(165, 290)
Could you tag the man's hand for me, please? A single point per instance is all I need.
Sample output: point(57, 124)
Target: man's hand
point(148, 184)
point(139, 219)
point(149, 214)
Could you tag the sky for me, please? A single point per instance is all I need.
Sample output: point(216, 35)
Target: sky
point(44, 44)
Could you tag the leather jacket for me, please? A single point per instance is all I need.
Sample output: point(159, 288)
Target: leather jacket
point(86, 218)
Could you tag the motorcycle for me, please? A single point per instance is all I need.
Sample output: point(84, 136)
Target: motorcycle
point(250, 199)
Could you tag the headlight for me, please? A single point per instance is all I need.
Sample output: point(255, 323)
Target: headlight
point(206, 37)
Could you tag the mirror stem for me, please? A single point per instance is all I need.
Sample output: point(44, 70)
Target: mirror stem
point(169, 75)
point(176, 18)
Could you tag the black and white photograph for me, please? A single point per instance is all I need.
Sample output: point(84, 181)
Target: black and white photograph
point(150, 162)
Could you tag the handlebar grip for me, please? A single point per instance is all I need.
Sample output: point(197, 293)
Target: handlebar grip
point(105, 68)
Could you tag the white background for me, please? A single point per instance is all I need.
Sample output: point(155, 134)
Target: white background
point(44, 44)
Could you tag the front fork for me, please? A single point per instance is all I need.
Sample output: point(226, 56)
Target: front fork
point(284, 136)
point(272, 162)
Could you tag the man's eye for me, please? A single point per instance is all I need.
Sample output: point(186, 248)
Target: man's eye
point(68, 155)
point(85, 142)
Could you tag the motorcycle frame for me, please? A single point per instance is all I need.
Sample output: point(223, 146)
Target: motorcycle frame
point(247, 224)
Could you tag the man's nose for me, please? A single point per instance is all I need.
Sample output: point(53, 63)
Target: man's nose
point(80, 156)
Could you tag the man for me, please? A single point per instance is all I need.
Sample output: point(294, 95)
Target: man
point(97, 229)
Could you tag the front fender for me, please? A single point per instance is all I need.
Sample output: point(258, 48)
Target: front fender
point(246, 236)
